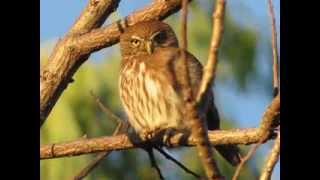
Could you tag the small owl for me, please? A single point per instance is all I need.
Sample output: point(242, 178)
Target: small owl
point(150, 88)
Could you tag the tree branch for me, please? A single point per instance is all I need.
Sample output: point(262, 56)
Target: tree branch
point(265, 129)
point(109, 35)
point(211, 66)
point(276, 84)
point(82, 39)
point(122, 142)
point(66, 58)
point(195, 119)
point(272, 159)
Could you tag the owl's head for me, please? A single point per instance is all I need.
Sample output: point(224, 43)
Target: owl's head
point(145, 37)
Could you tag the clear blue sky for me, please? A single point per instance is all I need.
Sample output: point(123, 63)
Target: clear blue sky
point(246, 108)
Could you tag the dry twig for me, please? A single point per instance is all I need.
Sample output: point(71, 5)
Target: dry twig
point(265, 131)
point(86, 170)
point(276, 84)
point(272, 159)
point(165, 154)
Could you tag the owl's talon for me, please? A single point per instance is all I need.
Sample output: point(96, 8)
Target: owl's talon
point(167, 136)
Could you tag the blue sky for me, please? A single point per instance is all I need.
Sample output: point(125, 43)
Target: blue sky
point(245, 108)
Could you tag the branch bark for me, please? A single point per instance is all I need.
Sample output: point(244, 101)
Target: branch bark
point(272, 159)
point(196, 123)
point(122, 142)
point(264, 131)
point(82, 39)
point(276, 84)
point(66, 58)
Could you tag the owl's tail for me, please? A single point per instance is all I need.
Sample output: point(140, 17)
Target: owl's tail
point(229, 152)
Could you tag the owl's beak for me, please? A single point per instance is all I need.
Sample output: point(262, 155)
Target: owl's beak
point(149, 47)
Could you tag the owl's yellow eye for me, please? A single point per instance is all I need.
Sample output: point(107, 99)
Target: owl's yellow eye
point(135, 42)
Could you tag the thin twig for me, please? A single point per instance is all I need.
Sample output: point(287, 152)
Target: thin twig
point(216, 36)
point(153, 162)
point(247, 157)
point(86, 170)
point(265, 129)
point(166, 155)
point(276, 84)
point(105, 109)
point(121, 127)
point(272, 159)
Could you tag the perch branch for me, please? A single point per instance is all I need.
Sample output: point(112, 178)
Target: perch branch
point(75, 48)
point(276, 84)
point(122, 142)
point(272, 159)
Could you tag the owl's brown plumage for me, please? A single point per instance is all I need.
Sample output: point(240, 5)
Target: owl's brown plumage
point(150, 79)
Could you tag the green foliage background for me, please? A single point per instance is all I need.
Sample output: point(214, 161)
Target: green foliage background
point(76, 114)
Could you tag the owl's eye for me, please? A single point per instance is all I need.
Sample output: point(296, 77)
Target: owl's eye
point(135, 42)
point(159, 37)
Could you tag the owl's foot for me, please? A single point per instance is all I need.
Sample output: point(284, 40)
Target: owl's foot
point(168, 134)
point(147, 135)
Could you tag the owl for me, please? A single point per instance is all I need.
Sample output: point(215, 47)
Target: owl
point(150, 88)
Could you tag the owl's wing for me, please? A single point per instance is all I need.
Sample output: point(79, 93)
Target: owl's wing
point(230, 152)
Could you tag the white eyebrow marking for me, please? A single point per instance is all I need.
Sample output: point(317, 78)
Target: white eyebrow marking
point(155, 34)
point(136, 37)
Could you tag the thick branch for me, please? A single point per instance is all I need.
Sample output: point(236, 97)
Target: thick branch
point(109, 35)
point(66, 58)
point(272, 159)
point(75, 48)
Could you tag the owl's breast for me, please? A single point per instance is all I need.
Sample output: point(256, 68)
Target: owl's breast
point(149, 99)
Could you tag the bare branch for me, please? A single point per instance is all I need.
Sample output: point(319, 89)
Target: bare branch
point(109, 35)
point(93, 15)
point(276, 84)
point(217, 31)
point(247, 157)
point(86, 170)
point(153, 162)
point(165, 154)
point(272, 159)
point(75, 48)
point(65, 58)
point(195, 122)
point(121, 128)
point(122, 142)
point(265, 130)
point(106, 110)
